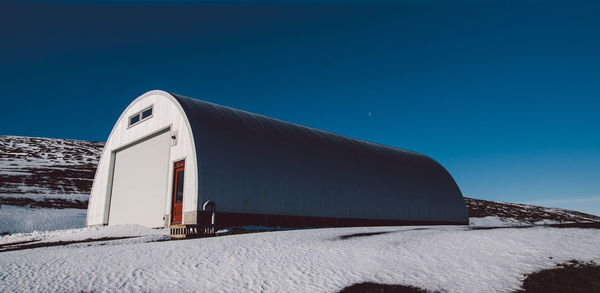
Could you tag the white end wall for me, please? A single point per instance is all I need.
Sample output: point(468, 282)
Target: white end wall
point(167, 114)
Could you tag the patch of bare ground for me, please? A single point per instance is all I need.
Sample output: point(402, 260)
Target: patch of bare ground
point(573, 276)
point(369, 287)
point(46, 165)
point(56, 203)
point(592, 225)
point(63, 179)
point(478, 208)
point(36, 244)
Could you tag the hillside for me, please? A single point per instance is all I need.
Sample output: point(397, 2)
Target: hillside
point(45, 182)
point(485, 212)
point(55, 176)
point(50, 168)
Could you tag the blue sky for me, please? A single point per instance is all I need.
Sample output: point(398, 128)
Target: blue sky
point(504, 94)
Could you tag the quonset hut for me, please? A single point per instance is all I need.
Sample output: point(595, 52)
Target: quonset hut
point(171, 160)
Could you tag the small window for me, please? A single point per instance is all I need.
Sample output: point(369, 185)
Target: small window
point(134, 119)
point(179, 187)
point(140, 116)
point(147, 113)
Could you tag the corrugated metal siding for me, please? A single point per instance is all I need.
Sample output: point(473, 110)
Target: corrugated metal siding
point(248, 163)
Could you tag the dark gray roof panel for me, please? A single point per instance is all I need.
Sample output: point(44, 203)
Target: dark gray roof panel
point(249, 163)
point(238, 120)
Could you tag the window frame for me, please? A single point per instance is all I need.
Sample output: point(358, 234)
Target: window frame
point(139, 114)
point(142, 113)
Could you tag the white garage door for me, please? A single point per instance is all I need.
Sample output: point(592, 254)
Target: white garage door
point(139, 190)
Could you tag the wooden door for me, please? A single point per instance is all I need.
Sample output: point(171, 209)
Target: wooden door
point(177, 197)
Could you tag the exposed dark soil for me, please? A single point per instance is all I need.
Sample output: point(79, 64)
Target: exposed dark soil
point(60, 166)
point(57, 203)
point(381, 288)
point(573, 276)
point(478, 208)
point(35, 244)
point(64, 179)
point(49, 149)
point(594, 225)
point(2, 246)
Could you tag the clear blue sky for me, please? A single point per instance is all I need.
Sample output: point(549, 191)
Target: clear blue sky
point(504, 94)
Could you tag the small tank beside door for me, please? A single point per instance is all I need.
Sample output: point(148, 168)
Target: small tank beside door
point(177, 194)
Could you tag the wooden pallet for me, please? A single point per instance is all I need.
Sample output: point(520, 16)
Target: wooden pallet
point(191, 231)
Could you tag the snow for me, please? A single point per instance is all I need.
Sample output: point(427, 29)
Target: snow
point(493, 221)
point(84, 234)
point(547, 222)
point(447, 258)
point(15, 219)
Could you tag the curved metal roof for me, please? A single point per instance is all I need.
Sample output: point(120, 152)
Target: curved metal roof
point(244, 153)
point(239, 120)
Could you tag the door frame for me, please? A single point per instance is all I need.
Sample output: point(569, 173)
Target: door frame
point(177, 166)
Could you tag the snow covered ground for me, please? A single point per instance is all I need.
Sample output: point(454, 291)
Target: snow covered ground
point(15, 219)
point(84, 234)
point(453, 259)
point(42, 180)
point(45, 182)
point(494, 221)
